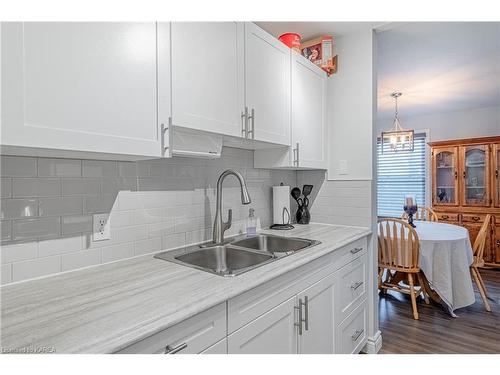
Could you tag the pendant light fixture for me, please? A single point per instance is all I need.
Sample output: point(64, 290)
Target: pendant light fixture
point(397, 138)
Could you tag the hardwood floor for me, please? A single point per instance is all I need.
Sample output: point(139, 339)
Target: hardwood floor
point(473, 331)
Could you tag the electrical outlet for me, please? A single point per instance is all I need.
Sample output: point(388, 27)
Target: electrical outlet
point(101, 227)
point(343, 167)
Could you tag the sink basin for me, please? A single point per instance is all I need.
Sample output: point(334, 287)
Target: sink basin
point(274, 244)
point(221, 260)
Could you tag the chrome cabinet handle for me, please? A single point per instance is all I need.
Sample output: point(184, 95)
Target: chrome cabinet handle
point(296, 155)
point(299, 324)
point(244, 123)
point(356, 334)
point(496, 173)
point(177, 349)
point(306, 315)
point(252, 127)
point(356, 285)
point(164, 129)
point(356, 250)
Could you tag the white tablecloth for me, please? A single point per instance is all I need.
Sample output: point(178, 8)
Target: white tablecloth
point(445, 257)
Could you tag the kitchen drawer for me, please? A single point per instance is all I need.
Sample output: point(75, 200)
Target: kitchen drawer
point(473, 218)
point(248, 306)
point(350, 283)
point(351, 333)
point(196, 333)
point(447, 217)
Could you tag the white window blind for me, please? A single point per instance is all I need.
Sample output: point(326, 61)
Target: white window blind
point(400, 173)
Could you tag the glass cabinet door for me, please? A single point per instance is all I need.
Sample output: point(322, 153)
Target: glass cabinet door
point(475, 175)
point(496, 177)
point(445, 178)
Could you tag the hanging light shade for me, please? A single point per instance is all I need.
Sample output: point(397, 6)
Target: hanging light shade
point(397, 138)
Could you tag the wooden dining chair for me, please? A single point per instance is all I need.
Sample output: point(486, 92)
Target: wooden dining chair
point(423, 213)
point(478, 249)
point(398, 251)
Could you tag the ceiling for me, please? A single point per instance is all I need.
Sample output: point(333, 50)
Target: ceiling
point(309, 30)
point(439, 67)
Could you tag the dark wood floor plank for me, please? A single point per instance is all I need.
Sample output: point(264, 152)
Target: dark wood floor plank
point(474, 331)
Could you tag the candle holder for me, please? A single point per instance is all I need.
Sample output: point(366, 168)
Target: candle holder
point(410, 207)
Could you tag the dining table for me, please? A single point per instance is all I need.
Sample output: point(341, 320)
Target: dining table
point(445, 258)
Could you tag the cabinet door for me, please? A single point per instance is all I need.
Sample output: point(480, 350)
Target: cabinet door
point(475, 175)
point(496, 172)
point(318, 334)
point(496, 243)
point(267, 86)
point(272, 333)
point(208, 76)
point(81, 86)
point(474, 228)
point(445, 176)
point(218, 348)
point(308, 113)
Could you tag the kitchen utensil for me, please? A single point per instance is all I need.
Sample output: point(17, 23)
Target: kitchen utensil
point(296, 193)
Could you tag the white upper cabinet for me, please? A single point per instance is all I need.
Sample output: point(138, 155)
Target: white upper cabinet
point(308, 121)
point(308, 113)
point(208, 76)
point(81, 86)
point(267, 86)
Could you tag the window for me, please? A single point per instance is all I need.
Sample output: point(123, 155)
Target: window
point(400, 173)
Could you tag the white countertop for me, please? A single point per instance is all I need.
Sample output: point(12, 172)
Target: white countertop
point(108, 307)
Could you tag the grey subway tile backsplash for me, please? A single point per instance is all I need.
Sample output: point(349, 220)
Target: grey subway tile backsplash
point(61, 206)
point(59, 167)
point(153, 205)
point(19, 252)
point(36, 187)
point(18, 208)
point(36, 228)
point(18, 166)
point(5, 187)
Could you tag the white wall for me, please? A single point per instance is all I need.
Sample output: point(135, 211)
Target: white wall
point(469, 123)
point(351, 104)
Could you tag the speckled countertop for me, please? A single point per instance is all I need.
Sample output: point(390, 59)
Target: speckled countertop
point(108, 307)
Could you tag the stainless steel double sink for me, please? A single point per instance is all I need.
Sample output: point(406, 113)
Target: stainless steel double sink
point(237, 256)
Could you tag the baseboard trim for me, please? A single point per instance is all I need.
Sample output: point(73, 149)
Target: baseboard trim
point(373, 344)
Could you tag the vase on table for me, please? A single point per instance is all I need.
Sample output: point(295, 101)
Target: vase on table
point(410, 208)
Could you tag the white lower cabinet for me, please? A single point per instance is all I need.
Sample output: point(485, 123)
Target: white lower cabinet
point(318, 313)
point(319, 308)
point(272, 333)
point(194, 335)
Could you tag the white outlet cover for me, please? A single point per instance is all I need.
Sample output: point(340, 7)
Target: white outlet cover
point(343, 167)
point(101, 227)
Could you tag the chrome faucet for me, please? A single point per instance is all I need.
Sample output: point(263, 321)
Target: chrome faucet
point(220, 226)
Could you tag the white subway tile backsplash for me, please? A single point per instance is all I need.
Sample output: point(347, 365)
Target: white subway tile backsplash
point(35, 268)
point(36, 228)
point(60, 246)
point(59, 167)
point(114, 185)
point(18, 208)
point(79, 259)
point(19, 252)
point(16, 166)
point(62, 206)
point(127, 169)
point(6, 273)
point(81, 186)
point(173, 241)
point(161, 229)
point(5, 187)
point(147, 246)
point(99, 204)
point(117, 252)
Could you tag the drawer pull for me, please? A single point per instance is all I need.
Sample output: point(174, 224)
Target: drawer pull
point(356, 334)
point(356, 250)
point(476, 218)
point(299, 324)
point(177, 349)
point(445, 217)
point(356, 285)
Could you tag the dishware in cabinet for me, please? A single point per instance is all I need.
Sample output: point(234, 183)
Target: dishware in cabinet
point(445, 181)
point(82, 87)
point(495, 175)
point(474, 173)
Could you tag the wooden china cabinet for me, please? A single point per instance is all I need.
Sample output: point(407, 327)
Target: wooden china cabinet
point(466, 187)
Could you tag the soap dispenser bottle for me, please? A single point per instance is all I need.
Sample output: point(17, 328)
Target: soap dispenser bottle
point(251, 223)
